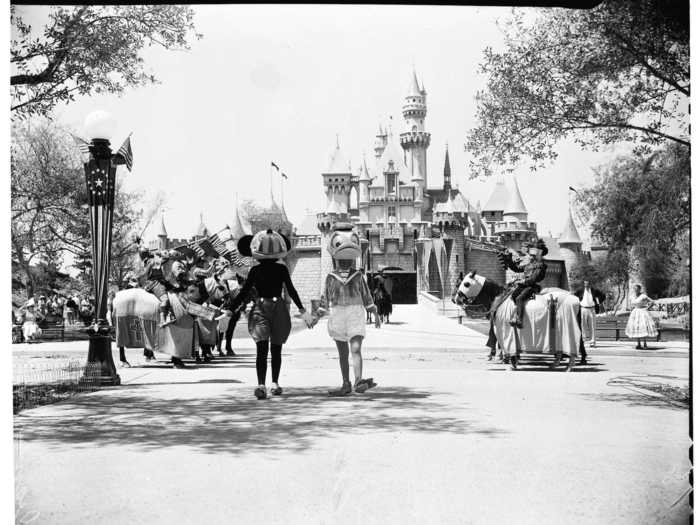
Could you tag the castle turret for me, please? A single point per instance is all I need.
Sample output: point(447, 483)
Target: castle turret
point(415, 140)
point(570, 243)
point(162, 234)
point(380, 142)
point(515, 229)
point(202, 230)
point(363, 197)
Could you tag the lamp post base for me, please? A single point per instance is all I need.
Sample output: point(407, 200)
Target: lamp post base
point(100, 369)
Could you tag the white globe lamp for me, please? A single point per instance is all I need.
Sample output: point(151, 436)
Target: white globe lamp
point(99, 125)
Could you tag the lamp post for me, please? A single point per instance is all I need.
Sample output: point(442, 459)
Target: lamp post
point(100, 172)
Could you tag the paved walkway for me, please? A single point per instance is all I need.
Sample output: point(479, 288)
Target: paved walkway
point(446, 437)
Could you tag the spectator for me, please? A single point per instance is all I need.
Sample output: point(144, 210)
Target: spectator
point(30, 319)
point(70, 311)
point(592, 303)
point(641, 324)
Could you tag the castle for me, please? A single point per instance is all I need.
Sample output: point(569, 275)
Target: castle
point(422, 237)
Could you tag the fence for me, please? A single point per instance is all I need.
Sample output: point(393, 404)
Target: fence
point(35, 384)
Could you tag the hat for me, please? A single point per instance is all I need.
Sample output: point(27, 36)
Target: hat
point(30, 302)
point(540, 245)
point(266, 244)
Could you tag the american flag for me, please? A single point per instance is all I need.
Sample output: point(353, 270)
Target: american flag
point(100, 183)
point(196, 248)
point(124, 153)
point(83, 145)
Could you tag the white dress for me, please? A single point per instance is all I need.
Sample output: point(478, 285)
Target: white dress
point(641, 324)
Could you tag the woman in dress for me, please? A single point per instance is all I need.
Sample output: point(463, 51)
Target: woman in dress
point(30, 320)
point(641, 324)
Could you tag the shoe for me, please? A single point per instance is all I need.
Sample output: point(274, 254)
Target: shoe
point(370, 383)
point(583, 361)
point(261, 392)
point(361, 386)
point(638, 347)
point(177, 363)
point(513, 363)
point(344, 390)
point(276, 390)
point(230, 353)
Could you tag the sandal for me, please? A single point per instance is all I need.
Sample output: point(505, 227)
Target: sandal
point(370, 383)
point(361, 386)
point(261, 392)
point(276, 390)
point(344, 390)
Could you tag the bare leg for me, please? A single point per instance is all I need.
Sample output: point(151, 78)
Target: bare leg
point(356, 351)
point(343, 352)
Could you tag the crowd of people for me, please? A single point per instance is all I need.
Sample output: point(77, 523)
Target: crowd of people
point(40, 311)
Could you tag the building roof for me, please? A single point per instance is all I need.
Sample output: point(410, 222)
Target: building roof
point(570, 233)
point(202, 230)
point(337, 163)
point(461, 204)
point(413, 89)
point(499, 197)
point(308, 225)
point(515, 202)
point(447, 171)
point(553, 248)
point(163, 232)
point(393, 152)
point(238, 229)
point(364, 170)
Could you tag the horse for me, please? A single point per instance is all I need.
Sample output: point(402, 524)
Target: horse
point(551, 323)
point(136, 314)
point(382, 300)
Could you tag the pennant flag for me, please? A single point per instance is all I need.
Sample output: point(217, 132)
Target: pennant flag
point(284, 175)
point(83, 145)
point(208, 248)
point(125, 155)
point(275, 166)
point(196, 248)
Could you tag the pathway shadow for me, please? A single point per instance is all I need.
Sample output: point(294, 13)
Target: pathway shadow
point(634, 399)
point(235, 422)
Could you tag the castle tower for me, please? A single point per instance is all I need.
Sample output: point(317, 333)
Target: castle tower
point(515, 229)
point(447, 172)
point(202, 230)
point(452, 217)
point(363, 197)
point(336, 185)
point(162, 234)
point(238, 229)
point(380, 142)
point(570, 244)
point(492, 212)
point(415, 140)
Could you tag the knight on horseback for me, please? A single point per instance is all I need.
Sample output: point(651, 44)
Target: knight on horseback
point(533, 270)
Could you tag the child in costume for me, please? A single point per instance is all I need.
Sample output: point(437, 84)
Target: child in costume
point(269, 323)
point(346, 296)
point(154, 281)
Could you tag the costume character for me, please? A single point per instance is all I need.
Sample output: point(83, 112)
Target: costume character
point(269, 323)
point(533, 271)
point(153, 281)
point(640, 324)
point(345, 298)
point(592, 301)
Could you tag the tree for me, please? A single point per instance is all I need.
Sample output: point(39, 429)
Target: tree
point(89, 49)
point(616, 73)
point(49, 215)
point(641, 208)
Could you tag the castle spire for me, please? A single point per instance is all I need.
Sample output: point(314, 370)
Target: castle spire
point(447, 172)
point(570, 234)
point(163, 232)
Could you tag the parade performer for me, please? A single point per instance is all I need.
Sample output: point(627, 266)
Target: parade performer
point(269, 323)
point(346, 296)
point(153, 281)
point(640, 324)
point(533, 271)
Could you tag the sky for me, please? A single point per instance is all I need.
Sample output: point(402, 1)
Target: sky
point(279, 84)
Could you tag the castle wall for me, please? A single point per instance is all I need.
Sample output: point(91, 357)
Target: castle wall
point(305, 270)
point(485, 262)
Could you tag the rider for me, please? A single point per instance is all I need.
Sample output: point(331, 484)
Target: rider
point(533, 270)
point(154, 281)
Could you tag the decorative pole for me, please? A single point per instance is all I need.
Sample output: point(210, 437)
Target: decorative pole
point(100, 174)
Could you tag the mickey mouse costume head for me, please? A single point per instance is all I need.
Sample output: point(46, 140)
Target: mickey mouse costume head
point(266, 244)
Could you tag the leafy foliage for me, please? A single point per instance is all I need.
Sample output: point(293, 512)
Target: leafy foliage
point(616, 73)
point(88, 50)
point(641, 208)
point(49, 215)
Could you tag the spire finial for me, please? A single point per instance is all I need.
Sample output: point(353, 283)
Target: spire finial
point(337, 141)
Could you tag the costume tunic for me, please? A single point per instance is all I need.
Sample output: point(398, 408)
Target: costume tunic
point(641, 323)
point(269, 317)
point(347, 298)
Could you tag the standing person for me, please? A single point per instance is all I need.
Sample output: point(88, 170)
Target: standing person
point(641, 324)
point(346, 296)
point(269, 323)
point(70, 310)
point(592, 303)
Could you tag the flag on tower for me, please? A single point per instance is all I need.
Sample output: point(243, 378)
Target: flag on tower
point(125, 155)
point(275, 166)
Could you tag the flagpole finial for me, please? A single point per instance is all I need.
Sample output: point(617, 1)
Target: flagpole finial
point(337, 141)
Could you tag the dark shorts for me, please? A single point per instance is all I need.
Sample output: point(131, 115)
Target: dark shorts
point(269, 319)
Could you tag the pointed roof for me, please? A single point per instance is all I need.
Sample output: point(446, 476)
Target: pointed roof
point(239, 228)
point(202, 230)
point(337, 164)
point(163, 232)
point(515, 202)
point(570, 234)
point(364, 170)
point(393, 152)
point(308, 225)
point(413, 88)
point(460, 203)
point(499, 197)
point(447, 171)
